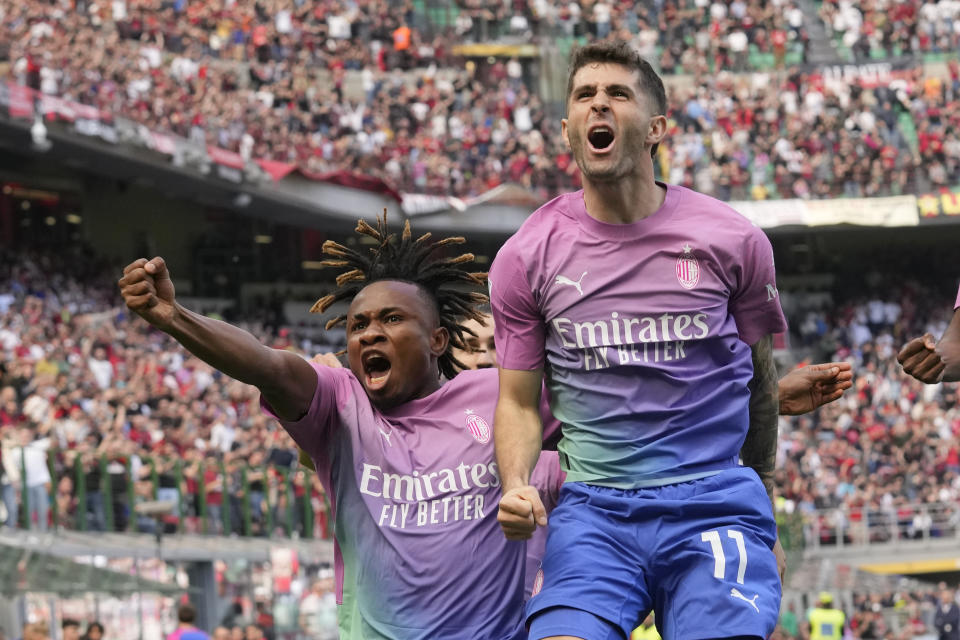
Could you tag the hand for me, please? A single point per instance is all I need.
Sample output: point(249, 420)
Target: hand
point(804, 389)
point(520, 511)
point(148, 291)
point(781, 559)
point(920, 359)
point(328, 360)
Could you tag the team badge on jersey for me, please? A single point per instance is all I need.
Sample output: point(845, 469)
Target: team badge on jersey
point(478, 427)
point(688, 269)
point(537, 582)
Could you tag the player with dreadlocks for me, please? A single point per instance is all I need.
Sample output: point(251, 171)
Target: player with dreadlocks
point(407, 460)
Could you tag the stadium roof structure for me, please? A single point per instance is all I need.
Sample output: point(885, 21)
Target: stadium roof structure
point(173, 548)
point(30, 571)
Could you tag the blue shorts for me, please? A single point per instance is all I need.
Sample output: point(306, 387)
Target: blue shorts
point(699, 554)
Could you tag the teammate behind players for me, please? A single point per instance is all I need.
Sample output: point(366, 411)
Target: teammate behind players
point(407, 463)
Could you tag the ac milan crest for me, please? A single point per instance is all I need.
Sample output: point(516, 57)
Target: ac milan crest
point(688, 269)
point(537, 582)
point(478, 427)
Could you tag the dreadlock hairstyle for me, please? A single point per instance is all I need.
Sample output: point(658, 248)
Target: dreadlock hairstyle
point(412, 261)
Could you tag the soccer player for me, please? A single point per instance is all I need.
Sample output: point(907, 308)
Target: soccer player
point(651, 309)
point(930, 361)
point(407, 462)
point(800, 391)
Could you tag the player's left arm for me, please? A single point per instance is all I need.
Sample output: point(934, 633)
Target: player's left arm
point(759, 451)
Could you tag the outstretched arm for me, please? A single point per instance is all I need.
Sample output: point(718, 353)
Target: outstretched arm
point(517, 435)
point(286, 381)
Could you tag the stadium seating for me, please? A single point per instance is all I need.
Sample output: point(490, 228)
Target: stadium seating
point(269, 84)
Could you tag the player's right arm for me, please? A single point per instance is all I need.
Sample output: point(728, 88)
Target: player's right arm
point(286, 381)
point(517, 436)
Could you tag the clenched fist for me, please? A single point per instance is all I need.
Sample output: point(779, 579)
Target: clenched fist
point(919, 358)
point(148, 291)
point(520, 511)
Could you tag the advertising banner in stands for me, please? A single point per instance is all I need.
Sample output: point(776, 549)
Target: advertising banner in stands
point(941, 207)
point(897, 211)
point(869, 74)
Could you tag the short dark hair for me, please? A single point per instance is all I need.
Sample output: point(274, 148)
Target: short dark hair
point(186, 612)
point(69, 622)
point(624, 54)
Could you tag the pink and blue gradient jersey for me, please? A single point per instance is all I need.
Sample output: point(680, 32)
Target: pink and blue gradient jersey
point(413, 493)
point(643, 331)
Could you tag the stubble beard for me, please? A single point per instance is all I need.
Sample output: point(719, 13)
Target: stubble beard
point(610, 169)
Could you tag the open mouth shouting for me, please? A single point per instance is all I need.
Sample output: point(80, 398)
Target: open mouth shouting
point(376, 370)
point(600, 138)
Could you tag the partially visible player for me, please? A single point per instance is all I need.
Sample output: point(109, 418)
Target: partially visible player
point(481, 350)
point(407, 461)
point(651, 309)
point(930, 361)
point(481, 353)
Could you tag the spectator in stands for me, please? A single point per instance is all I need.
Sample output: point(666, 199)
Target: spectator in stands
point(94, 631)
point(318, 611)
point(71, 629)
point(186, 630)
point(947, 618)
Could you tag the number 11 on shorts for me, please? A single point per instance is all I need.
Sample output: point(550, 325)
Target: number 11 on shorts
point(719, 559)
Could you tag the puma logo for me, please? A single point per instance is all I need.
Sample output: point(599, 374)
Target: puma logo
point(735, 593)
point(573, 283)
point(386, 436)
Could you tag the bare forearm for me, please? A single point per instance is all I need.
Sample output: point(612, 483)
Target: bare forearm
point(286, 381)
point(229, 349)
point(949, 349)
point(759, 450)
point(517, 436)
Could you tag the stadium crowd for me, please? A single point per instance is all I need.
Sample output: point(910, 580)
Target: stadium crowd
point(267, 80)
point(81, 380)
point(893, 28)
point(119, 409)
point(883, 461)
point(903, 614)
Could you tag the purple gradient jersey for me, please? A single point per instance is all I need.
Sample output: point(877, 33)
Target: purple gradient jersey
point(957, 303)
point(414, 492)
point(643, 330)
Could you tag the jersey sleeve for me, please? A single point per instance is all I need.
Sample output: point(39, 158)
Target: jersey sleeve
point(316, 430)
point(755, 304)
point(548, 478)
point(518, 328)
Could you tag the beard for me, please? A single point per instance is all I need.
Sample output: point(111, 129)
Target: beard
point(616, 166)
